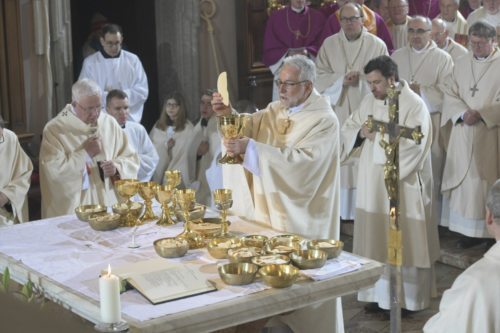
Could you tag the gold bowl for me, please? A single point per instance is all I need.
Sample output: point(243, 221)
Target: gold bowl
point(279, 276)
point(254, 240)
point(86, 212)
point(122, 209)
point(286, 239)
point(171, 247)
point(243, 254)
point(207, 229)
point(238, 273)
point(282, 246)
point(195, 213)
point(105, 222)
point(218, 247)
point(332, 247)
point(308, 259)
point(271, 259)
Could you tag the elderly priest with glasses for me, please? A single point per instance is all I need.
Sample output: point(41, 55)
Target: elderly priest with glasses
point(289, 178)
point(82, 152)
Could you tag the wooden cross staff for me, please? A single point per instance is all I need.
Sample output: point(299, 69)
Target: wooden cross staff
point(391, 179)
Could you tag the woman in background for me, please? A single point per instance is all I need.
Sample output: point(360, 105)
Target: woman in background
point(171, 136)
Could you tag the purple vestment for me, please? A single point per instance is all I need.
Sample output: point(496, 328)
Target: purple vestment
point(332, 26)
point(427, 8)
point(287, 29)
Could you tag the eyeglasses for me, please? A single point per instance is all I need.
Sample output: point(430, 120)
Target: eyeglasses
point(287, 84)
point(90, 109)
point(418, 31)
point(113, 44)
point(481, 43)
point(349, 19)
point(171, 105)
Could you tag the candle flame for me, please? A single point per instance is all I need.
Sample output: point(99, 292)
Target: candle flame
point(109, 270)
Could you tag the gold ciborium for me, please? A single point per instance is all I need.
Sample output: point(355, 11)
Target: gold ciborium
point(126, 189)
point(223, 199)
point(165, 195)
point(147, 191)
point(186, 200)
point(230, 127)
point(172, 179)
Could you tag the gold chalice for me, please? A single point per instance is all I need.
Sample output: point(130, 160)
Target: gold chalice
point(223, 199)
point(126, 189)
point(147, 191)
point(173, 178)
point(165, 195)
point(230, 127)
point(185, 200)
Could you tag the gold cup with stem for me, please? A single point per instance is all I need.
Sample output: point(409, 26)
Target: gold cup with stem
point(186, 199)
point(127, 188)
point(173, 178)
point(147, 191)
point(165, 195)
point(231, 127)
point(223, 200)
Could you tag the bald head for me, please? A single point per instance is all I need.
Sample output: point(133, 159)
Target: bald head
point(439, 33)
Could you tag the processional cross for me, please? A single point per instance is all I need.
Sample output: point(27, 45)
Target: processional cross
point(391, 179)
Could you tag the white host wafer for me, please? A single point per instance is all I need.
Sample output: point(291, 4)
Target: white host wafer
point(222, 87)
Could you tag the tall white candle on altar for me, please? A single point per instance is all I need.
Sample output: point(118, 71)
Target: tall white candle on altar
point(109, 292)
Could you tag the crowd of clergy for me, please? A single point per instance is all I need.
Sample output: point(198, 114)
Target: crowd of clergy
point(307, 167)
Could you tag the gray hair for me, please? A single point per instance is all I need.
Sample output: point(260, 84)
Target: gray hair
point(482, 29)
point(493, 201)
point(305, 65)
point(424, 19)
point(84, 88)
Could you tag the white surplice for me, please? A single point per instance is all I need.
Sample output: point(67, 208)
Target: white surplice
point(399, 33)
point(175, 158)
point(481, 14)
point(124, 72)
point(16, 169)
point(419, 232)
point(139, 139)
point(472, 160)
point(336, 57)
point(68, 177)
point(472, 302)
point(455, 50)
point(458, 26)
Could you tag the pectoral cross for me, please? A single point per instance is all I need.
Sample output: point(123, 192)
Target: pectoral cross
point(474, 89)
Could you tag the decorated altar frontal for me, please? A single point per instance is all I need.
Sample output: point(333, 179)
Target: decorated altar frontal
point(64, 256)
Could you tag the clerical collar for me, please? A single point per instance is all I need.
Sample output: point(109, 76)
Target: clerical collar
point(204, 122)
point(298, 11)
point(295, 109)
point(123, 126)
point(107, 56)
point(422, 50)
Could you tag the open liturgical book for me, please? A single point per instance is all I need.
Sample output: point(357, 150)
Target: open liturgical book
point(160, 281)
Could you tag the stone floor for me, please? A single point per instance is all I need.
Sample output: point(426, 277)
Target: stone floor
point(450, 265)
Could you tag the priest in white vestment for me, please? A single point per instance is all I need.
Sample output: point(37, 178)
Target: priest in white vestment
point(419, 232)
point(489, 12)
point(471, 108)
point(172, 135)
point(204, 147)
point(398, 14)
point(138, 138)
point(455, 23)
point(290, 174)
point(114, 68)
point(16, 169)
point(83, 151)
point(440, 36)
point(426, 68)
point(339, 65)
point(473, 301)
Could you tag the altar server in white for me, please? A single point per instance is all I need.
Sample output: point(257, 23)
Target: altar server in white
point(114, 68)
point(138, 138)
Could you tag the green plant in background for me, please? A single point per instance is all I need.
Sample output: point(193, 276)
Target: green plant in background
point(28, 292)
point(4, 286)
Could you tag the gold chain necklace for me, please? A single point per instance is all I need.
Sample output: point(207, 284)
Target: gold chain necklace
point(412, 74)
point(474, 88)
point(298, 34)
point(350, 65)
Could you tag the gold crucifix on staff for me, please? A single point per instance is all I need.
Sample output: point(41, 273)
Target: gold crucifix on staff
point(391, 179)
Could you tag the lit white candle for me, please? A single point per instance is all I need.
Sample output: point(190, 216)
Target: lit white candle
point(109, 292)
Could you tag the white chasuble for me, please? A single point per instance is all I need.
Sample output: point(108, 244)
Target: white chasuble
point(16, 169)
point(63, 163)
point(176, 157)
point(419, 232)
point(472, 160)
